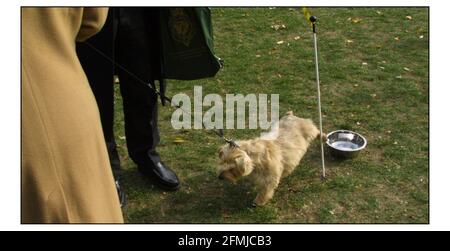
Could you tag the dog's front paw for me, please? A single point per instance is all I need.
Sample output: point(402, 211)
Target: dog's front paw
point(259, 202)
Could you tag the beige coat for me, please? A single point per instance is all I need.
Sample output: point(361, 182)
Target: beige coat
point(66, 175)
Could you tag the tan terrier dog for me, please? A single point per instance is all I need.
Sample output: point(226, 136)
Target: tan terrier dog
point(269, 158)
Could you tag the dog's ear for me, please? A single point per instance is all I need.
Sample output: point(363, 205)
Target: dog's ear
point(244, 164)
point(220, 152)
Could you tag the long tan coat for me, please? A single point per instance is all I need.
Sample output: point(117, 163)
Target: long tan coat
point(66, 176)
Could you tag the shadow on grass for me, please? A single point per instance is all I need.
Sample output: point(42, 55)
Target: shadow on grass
point(201, 199)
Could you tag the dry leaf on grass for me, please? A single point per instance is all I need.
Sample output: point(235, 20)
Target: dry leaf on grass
point(178, 140)
point(354, 20)
point(278, 27)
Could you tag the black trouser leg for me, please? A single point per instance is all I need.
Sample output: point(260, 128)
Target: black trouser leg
point(140, 106)
point(140, 103)
point(99, 71)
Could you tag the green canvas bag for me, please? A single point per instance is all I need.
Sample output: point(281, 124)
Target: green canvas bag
point(187, 44)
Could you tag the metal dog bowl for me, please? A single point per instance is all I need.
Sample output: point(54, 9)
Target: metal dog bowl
point(345, 144)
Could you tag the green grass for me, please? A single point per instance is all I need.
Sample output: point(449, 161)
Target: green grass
point(361, 64)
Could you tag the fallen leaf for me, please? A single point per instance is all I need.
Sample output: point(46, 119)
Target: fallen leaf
point(420, 37)
point(355, 85)
point(258, 56)
point(399, 77)
point(349, 41)
point(397, 38)
point(381, 67)
point(280, 42)
point(364, 63)
point(278, 27)
point(373, 95)
point(406, 69)
point(178, 140)
point(297, 38)
point(122, 137)
point(356, 20)
point(379, 12)
point(409, 17)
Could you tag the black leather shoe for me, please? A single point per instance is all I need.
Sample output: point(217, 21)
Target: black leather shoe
point(164, 176)
point(121, 193)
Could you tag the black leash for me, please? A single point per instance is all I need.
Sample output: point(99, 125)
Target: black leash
point(218, 132)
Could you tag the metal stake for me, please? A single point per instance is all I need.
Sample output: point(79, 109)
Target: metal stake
point(313, 20)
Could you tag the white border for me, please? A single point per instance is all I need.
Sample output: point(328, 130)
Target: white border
point(10, 118)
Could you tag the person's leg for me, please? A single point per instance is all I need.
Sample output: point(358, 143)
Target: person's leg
point(141, 113)
point(96, 56)
point(136, 54)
